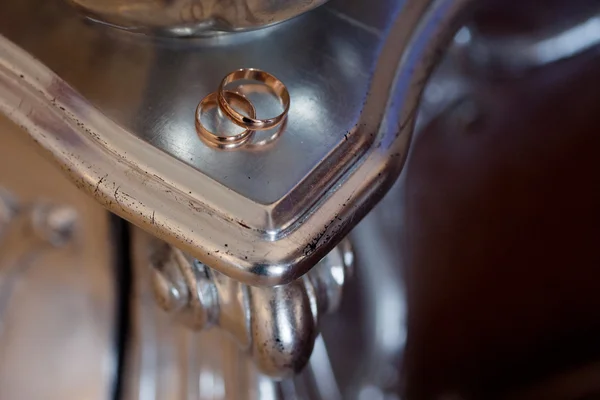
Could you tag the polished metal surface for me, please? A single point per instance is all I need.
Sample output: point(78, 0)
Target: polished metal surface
point(55, 224)
point(447, 85)
point(192, 17)
point(361, 353)
point(261, 216)
point(167, 360)
point(57, 282)
point(277, 326)
point(357, 356)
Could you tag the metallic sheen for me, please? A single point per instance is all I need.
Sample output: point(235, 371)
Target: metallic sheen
point(116, 112)
point(211, 100)
point(55, 224)
point(9, 207)
point(562, 30)
point(192, 17)
point(357, 355)
point(251, 122)
point(277, 326)
point(58, 292)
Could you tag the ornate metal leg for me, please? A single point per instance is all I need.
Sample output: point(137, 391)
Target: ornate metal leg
point(247, 245)
point(277, 325)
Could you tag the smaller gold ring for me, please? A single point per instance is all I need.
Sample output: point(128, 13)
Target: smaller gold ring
point(250, 122)
point(235, 98)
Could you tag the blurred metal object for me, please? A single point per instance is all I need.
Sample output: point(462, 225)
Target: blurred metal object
point(168, 359)
point(127, 138)
point(517, 36)
point(116, 112)
point(168, 283)
point(58, 304)
point(55, 224)
point(276, 325)
point(447, 85)
point(192, 17)
point(9, 207)
point(183, 286)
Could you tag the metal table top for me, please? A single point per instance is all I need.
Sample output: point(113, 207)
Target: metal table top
point(118, 114)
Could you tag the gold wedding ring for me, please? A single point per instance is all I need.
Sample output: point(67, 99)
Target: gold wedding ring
point(235, 99)
point(227, 99)
point(250, 122)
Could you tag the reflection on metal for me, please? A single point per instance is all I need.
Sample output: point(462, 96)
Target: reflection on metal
point(358, 351)
point(115, 111)
point(276, 325)
point(57, 290)
point(221, 138)
point(192, 17)
point(21, 250)
point(274, 85)
point(376, 367)
point(127, 141)
point(54, 224)
point(447, 85)
point(516, 53)
point(8, 209)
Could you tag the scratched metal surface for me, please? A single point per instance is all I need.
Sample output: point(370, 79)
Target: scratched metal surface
point(264, 217)
point(151, 87)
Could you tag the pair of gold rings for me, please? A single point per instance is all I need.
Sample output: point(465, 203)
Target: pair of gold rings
point(226, 100)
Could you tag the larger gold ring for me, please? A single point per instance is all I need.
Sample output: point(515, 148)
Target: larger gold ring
point(250, 122)
point(212, 137)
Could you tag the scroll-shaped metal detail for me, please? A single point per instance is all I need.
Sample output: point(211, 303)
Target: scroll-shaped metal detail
point(276, 325)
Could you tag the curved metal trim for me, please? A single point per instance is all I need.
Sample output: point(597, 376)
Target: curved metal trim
point(83, 142)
